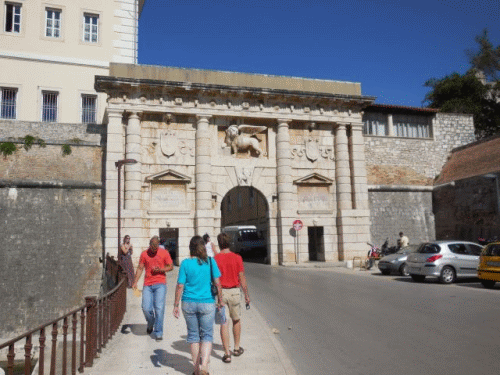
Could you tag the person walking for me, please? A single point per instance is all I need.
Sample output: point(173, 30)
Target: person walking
point(125, 259)
point(198, 302)
point(233, 277)
point(157, 262)
point(209, 245)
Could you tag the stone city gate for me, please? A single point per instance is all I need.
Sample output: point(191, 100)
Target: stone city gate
point(198, 134)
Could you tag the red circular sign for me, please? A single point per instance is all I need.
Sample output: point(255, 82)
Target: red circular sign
point(297, 225)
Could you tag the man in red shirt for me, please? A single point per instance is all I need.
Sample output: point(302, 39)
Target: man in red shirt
point(157, 262)
point(233, 277)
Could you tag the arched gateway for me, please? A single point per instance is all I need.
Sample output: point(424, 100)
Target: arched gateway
point(196, 135)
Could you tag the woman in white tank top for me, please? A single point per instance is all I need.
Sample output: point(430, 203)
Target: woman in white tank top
point(209, 245)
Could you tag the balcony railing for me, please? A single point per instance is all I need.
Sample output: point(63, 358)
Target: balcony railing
point(89, 328)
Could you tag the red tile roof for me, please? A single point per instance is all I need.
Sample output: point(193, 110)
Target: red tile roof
point(475, 159)
point(401, 107)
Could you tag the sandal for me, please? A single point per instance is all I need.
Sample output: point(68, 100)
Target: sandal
point(238, 352)
point(226, 358)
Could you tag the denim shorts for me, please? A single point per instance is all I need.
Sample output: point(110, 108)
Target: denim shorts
point(199, 320)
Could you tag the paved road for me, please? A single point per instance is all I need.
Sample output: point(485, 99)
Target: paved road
point(337, 321)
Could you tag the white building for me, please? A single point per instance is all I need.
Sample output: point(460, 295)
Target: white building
point(51, 51)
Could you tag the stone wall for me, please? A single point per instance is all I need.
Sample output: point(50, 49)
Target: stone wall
point(406, 209)
point(51, 223)
point(416, 161)
point(467, 209)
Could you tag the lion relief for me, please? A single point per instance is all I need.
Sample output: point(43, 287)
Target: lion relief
point(241, 138)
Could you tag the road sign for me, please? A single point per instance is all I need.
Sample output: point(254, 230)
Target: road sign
point(297, 225)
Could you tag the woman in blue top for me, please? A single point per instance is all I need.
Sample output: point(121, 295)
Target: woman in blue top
point(198, 303)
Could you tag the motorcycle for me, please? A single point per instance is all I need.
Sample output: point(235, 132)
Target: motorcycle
point(387, 250)
point(373, 254)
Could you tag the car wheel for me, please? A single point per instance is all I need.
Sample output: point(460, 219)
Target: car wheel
point(447, 275)
point(403, 270)
point(488, 283)
point(418, 278)
point(385, 272)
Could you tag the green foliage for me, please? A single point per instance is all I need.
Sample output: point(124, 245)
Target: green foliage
point(7, 148)
point(469, 93)
point(66, 149)
point(487, 59)
point(76, 141)
point(28, 142)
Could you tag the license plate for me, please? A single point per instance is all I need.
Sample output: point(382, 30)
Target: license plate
point(415, 269)
point(382, 265)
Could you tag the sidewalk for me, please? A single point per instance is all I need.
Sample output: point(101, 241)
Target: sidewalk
point(131, 351)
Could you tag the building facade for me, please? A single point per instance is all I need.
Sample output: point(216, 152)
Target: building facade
point(405, 150)
point(51, 51)
point(196, 135)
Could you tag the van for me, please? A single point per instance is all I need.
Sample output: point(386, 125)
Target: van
point(489, 265)
point(245, 240)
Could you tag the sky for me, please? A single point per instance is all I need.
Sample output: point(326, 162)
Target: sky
point(390, 47)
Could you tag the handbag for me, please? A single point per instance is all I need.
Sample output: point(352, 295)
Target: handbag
point(213, 287)
point(220, 315)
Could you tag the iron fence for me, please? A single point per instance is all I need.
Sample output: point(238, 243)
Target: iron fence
point(89, 327)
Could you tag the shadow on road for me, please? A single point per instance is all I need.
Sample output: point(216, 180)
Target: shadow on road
point(136, 329)
point(178, 362)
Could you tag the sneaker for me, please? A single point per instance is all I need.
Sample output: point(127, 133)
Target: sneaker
point(159, 338)
point(149, 330)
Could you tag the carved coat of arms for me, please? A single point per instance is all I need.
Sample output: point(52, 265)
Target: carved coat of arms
point(312, 149)
point(168, 143)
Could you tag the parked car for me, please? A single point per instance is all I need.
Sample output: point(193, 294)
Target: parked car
point(489, 265)
point(445, 260)
point(396, 263)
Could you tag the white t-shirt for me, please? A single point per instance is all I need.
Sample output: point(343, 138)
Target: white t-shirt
point(210, 251)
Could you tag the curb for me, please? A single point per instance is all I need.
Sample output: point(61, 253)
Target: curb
point(285, 361)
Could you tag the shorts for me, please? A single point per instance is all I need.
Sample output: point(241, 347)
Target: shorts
point(232, 299)
point(199, 321)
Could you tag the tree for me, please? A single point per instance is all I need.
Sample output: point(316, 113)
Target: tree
point(471, 92)
point(487, 59)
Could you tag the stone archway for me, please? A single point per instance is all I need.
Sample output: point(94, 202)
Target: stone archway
point(247, 206)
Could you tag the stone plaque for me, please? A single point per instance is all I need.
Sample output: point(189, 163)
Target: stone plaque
point(313, 198)
point(168, 197)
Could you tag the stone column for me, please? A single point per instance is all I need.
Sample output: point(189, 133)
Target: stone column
point(286, 196)
point(359, 179)
point(204, 221)
point(115, 151)
point(390, 125)
point(133, 177)
point(342, 169)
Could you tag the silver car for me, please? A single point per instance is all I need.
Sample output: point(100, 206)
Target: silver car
point(445, 260)
point(396, 263)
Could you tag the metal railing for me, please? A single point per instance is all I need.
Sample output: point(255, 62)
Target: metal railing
point(92, 326)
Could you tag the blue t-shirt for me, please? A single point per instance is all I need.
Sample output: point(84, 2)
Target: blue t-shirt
point(196, 280)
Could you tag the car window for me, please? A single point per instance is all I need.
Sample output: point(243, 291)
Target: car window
point(475, 249)
point(458, 248)
point(492, 250)
point(429, 248)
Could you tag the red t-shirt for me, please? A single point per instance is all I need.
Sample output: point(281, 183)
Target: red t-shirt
point(230, 265)
point(160, 259)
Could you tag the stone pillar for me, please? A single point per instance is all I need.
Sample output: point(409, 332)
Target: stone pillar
point(286, 197)
point(133, 177)
point(359, 179)
point(390, 125)
point(115, 151)
point(204, 221)
point(342, 169)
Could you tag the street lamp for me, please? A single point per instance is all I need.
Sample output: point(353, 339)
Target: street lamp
point(119, 165)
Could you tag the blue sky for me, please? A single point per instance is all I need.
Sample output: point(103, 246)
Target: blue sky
point(391, 47)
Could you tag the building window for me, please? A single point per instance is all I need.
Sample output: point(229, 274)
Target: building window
point(252, 197)
point(53, 23)
point(375, 124)
point(8, 98)
point(49, 106)
point(12, 18)
point(89, 108)
point(238, 200)
point(90, 28)
point(229, 205)
point(412, 126)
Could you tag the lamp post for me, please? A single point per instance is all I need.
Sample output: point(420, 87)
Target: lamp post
point(119, 165)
